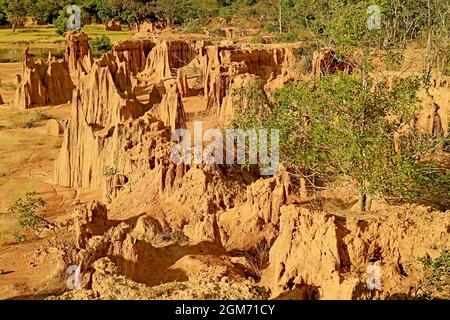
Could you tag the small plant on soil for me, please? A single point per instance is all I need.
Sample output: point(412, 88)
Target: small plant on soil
point(178, 236)
point(25, 120)
point(258, 257)
point(109, 171)
point(31, 214)
point(101, 44)
point(437, 284)
point(19, 237)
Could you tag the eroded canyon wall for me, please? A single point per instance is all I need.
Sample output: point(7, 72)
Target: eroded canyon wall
point(124, 108)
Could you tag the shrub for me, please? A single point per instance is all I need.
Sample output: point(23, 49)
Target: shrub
point(287, 37)
point(177, 236)
point(338, 125)
point(27, 119)
point(437, 284)
point(257, 39)
point(258, 257)
point(19, 237)
point(193, 28)
point(393, 60)
point(31, 214)
point(61, 22)
point(445, 69)
point(100, 45)
point(109, 171)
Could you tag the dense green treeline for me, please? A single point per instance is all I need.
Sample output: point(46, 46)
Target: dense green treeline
point(345, 23)
point(336, 21)
point(125, 11)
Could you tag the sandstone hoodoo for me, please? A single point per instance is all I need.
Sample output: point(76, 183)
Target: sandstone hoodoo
point(52, 82)
point(113, 26)
point(139, 76)
point(78, 53)
point(55, 128)
point(150, 159)
point(43, 83)
point(326, 61)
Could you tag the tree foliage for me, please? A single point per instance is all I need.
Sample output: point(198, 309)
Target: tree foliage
point(30, 211)
point(101, 43)
point(16, 12)
point(61, 22)
point(3, 8)
point(178, 11)
point(43, 10)
point(349, 125)
point(437, 284)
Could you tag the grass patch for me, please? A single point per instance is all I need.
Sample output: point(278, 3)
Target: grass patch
point(44, 39)
point(39, 34)
point(287, 37)
point(46, 35)
point(437, 285)
point(8, 86)
point(97, 30)
point(26, 119)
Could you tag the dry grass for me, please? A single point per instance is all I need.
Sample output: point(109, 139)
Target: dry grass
point(27, 119)
point(47, 36)
point(22, 151)
point(8, 86)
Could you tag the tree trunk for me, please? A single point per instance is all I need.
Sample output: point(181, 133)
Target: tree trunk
point(369, 199)
point(13, 25)
point(362, 201)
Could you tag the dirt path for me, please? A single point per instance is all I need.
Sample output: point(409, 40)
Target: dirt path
point(26, 164)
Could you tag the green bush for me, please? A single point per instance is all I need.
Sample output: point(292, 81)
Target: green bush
point(31, 214)
point(61, 22)
point(109, 171)
point(437, 284)
point(101, 44)
point(287, 37)
point(257, 39)
point(19, 237)
point(194, 27)
point(338, 125)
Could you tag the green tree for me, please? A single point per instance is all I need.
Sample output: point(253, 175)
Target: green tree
point(100, 45)
point(99, 9)
point(61, 22)
point(31, 214)
point(3, 8)
point(16, 12)
point(177, 11)
point(44, 10)
point(348, 125)
point(132, 11)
